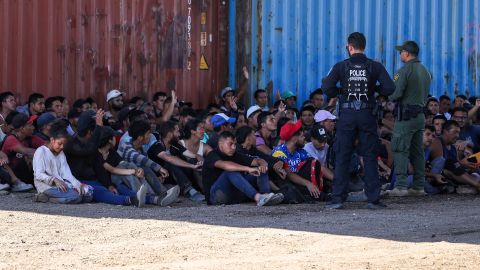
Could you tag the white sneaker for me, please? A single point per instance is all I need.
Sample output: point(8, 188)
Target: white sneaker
point(141, 195)
point(4, 186)
point(270, 199)
point(416, 192)
point(171, 196)
point(397, 192)
point(467, 190)
point(21, 187)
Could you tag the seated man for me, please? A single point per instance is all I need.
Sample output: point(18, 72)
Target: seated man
point(120, 177)
point(438, 122)
point(435, 181)
point(318, 148)
point(135, 115)
point(230, 177)
point(221, 122)
point(246, 140)
point(267, 125)
point(444, 146)
point(307, 113)
point(167, 151)
point(132, 152)
point(18, 146)
point(81, 154)
point(8, 179)
point(468, 131)
point(304, 172)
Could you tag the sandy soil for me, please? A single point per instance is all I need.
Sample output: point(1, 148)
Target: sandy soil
point(440, 232)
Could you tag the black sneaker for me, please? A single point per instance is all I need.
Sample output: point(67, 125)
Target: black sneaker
point(134, 201)
point(40, 197)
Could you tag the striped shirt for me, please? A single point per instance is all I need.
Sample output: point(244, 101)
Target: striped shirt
point(129, 154)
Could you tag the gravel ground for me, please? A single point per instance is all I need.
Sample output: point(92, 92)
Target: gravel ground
point(440, 232)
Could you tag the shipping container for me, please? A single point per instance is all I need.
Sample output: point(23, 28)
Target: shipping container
point(295, 43)
point(81, 48)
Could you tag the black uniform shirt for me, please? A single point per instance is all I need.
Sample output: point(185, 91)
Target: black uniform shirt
point(378, 73)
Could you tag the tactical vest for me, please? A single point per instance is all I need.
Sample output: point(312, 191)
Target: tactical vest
point(357, 78)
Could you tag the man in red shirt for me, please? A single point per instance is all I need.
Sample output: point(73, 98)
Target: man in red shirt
point(17, 146)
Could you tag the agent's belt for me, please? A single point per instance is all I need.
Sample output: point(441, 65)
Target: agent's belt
point(356, 105)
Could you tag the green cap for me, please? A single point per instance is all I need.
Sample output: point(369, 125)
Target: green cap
point(409, 46)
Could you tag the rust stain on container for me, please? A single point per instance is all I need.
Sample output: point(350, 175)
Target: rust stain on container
point(87, 47)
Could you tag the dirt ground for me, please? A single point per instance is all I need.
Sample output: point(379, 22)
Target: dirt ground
point(441, 232)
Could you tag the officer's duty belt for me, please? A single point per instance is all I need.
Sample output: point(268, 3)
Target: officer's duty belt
point(351, 105)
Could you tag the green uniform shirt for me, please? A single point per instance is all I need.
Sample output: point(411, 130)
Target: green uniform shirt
point(412, 84)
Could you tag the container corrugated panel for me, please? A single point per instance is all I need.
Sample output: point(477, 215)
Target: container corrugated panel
point(80, 48)
point(295, 43)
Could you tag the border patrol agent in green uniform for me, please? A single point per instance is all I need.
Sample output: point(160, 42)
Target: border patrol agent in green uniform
point(412, 84)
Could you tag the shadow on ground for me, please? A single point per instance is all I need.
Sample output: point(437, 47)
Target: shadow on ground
point(450, 218)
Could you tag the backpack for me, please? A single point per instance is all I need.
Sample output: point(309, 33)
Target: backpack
point(357, 79)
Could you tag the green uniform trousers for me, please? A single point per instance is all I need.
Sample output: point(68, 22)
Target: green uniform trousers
point(407, 145)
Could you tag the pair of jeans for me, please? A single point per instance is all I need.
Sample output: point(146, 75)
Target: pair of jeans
point(235, 187)
point(181, 176)
point(155, 187)
point(103, 195)
point(71, 196)
point(130, 181)
point(126, 191)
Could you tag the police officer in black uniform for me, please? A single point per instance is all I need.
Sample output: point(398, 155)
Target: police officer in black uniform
point(358, 77)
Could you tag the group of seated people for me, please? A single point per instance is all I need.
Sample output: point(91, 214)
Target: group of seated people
point(154, 151)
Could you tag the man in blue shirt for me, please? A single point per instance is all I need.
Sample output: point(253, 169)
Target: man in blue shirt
point(468, 131)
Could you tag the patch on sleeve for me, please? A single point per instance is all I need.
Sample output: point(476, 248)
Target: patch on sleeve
point(279, 154)
point(395, 78)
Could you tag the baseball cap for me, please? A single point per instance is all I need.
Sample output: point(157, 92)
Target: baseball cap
point(289, 129)
point(113, 94)
point(253, 109)
point(106, 134)
point(288, 94)
point(86, 121)
point(319, 133)
point(323, 115)
point(409, 46)
point(45, 119)
point(225, 91)
point(221, 119)
point(22, 119)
